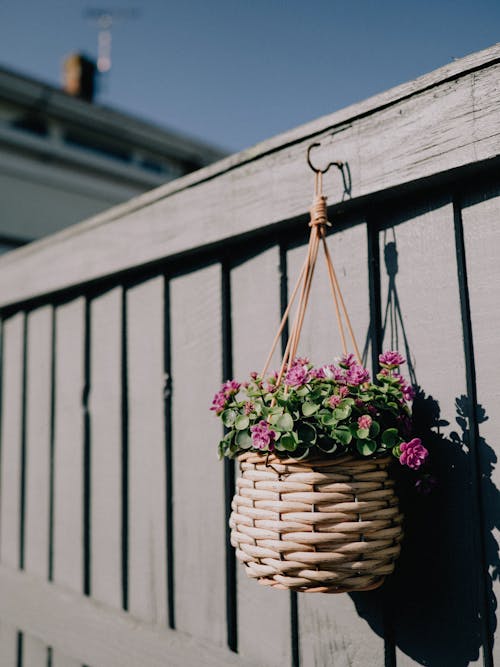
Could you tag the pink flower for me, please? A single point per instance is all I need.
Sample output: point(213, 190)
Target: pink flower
point(318, 373)
point(297, 375)
point(262, 436)
point(365, 421)
point(333, 401)
point(357, 375)
point(343, 391)
point(230, 387)
point(347, 361)
point(391, 359)
point(249, 407)
point(406, 389)
point(413, 454)
point(219, 402)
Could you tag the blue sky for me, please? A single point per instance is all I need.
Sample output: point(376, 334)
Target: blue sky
point(237, 72)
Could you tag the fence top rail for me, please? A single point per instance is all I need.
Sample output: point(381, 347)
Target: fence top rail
point(442, 120)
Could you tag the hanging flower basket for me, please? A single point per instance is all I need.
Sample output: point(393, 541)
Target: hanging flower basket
point(315, 508)
point(320, 526)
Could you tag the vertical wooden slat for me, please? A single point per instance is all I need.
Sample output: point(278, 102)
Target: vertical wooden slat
point(198, 485)
point(11, 454)
point(437, 575)
point(68, 512)
point(105, 430)
point(38, 438)
point(255, 298)
point(481, 234)
point(331, 629)
point(146, 441)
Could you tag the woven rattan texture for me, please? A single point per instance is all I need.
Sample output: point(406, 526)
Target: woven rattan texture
point(324, 526)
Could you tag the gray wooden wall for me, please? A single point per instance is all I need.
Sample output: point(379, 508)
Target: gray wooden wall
point(115, 334)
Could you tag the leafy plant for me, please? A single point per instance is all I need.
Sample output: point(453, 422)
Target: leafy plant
point(329, 411)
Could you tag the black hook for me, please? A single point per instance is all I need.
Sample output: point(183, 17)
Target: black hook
point(321, 171)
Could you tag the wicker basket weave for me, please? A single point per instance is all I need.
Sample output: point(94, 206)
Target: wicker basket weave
point(324, 526)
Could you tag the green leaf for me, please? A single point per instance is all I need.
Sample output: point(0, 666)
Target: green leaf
point(362, 433)
point(228, 417)
point(328, 419)
point(284, 422)
point(288, 442)
point(244, 439)
point(343, 434)
point(307, 433)
point(303, 391)
point(308, 409)
point(327, 445)
point(221, 449)
point(241, 423)
point(301, 453)
point(366, 447)
point(390, 437)
point(374, 429)
point(342, 412)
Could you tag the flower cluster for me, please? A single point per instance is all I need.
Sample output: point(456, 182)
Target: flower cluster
point(330, 410)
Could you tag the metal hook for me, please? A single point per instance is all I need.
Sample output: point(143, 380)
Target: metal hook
point(321, 171)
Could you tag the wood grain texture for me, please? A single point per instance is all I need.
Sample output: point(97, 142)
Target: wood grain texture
point(255, 311)
point(38, 437)
point(68, 546)
point(199, 530)
point(146, 433)
point(106, 448)
point(8, 644)
point(442, 123)
point(434, 579)
point(96, 634)
point(331, 631)
point(12, 415)
point(482, 249)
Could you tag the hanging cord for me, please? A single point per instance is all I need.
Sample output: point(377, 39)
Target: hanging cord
point(318, 223)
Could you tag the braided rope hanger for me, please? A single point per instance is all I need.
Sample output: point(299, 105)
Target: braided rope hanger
point(318, 223)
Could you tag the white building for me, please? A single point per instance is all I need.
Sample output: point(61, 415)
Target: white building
point(63, 159)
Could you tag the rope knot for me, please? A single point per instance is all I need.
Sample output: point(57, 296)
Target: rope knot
point(318, 212)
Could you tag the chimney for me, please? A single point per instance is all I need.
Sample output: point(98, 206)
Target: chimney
point(79, 76)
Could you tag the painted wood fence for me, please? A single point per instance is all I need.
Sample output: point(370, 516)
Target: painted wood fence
point(115, 333)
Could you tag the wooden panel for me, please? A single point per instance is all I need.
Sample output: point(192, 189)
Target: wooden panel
point(12, 415)
point(106, 453)
point(199, 535)
point(434, 580)
point(38, 444)
point(96, 634)
point(34, 652)
point(68, 545)
point(255, 305)
point(330, 628)
point(441, 122)
point(147, 539)
point(482, 248)
point(8, 644)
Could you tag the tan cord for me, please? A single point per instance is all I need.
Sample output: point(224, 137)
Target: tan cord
point(318, 224)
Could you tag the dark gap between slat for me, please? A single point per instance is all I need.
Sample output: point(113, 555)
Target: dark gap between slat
point(19, 661)
point(169, 481)
point(50, 573)
point(294, 605)
point(22, 477)
point(125, 455)
point(229, 468)
point(375, 338)
point(488, 622)
point(87, 490)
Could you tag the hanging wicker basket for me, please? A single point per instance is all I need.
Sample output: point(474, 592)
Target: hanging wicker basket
point(323, 526)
